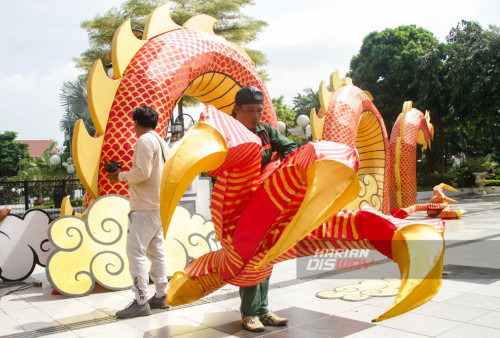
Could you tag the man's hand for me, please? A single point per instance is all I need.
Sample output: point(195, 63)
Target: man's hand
point(113, 176)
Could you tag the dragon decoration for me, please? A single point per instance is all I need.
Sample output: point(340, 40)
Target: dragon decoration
point(438, 205)
point(332, 193)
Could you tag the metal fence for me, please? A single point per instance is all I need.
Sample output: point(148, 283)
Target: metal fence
point(47, 195)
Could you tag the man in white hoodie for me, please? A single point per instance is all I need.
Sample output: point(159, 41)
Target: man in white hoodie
point(145, 234)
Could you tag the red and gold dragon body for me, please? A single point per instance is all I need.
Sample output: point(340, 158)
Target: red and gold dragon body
point(317, 198)
point(438, 206)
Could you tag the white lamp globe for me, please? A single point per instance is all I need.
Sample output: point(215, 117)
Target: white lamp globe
point(55, 160)
point(281, 126)
point(302, 121)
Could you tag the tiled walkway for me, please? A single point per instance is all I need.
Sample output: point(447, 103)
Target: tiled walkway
point(468, 304)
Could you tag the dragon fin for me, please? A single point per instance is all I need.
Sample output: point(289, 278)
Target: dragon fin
point(317, 125)
point(201, 22)
point(335, 81)
point(159, 22)
point(202, 149)
point(86, 151)
point(324, 97)
point(100, 92)
point(370, 96)
point(67, 208)
point(124, 46)
point(418, 250)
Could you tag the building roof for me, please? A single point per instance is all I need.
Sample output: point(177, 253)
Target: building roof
point(36, 147)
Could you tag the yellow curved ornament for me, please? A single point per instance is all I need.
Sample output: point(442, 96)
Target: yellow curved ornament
point(317, 125)
point(342, 188)
point(418, 250)
point(202, 149)
point(202, 22)
point(159, 22)
point(67, 208)
point(100, 93)
point(87, 163)
point(335, 81)
point(324, 97)
point(123, 48)
point(185, 289)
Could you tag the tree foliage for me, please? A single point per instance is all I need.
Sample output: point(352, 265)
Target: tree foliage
point(73, 98)
point(386, 66)
point(286, 115)
point(305, 101)
point(473, 63)
point(11, 154)
point(457, 81)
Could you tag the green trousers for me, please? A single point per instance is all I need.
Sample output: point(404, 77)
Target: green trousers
point(254, 299)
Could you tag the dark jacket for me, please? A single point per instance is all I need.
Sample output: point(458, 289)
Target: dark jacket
point(272, 141)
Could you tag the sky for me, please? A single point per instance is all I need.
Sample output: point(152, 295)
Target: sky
point(305, 41)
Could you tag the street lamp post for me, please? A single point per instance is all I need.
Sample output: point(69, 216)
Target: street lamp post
point(178, 127)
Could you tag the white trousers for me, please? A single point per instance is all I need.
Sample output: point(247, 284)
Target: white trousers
point(145, 240)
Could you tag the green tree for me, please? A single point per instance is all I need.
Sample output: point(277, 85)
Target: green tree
point(386, 66)
point(11, 154)
point(303, 103)
point(473, 63)
point(433, 95)
point(286, 115)
point(283, 112)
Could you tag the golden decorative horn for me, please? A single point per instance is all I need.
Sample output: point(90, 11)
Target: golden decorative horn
point(202, 149)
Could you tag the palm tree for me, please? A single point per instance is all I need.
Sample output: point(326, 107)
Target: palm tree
point(303, 103)
point(73, 98)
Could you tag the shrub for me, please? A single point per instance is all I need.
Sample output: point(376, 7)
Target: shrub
point(463, 176)
point(492, 183)
point(77, 202)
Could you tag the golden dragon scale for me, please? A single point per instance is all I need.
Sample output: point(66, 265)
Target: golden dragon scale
point(286, 210)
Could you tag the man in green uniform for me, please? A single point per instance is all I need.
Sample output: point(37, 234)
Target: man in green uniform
point(248, 108)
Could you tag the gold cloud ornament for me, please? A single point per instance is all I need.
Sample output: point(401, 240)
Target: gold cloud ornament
point(90, 249)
